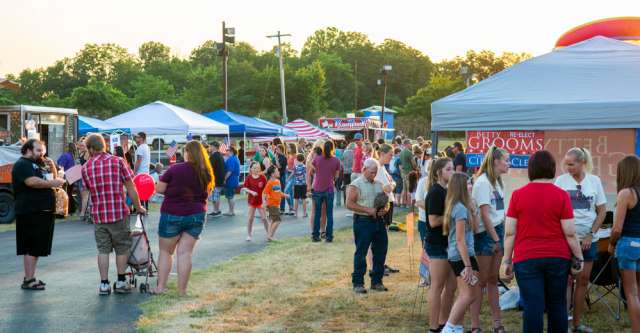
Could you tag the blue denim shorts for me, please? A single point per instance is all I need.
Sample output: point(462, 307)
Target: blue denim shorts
point(215, 194)
point(173, 225)
point(436, 251)
point(628, 254)
point(591, 254)
point(483, 243)
point(229, 192)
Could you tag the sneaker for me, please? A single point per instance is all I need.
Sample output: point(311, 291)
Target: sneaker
point(122, 287)
point(390, 269)
point(379, 287)
point(359, 290)
point(328, 240)
point(248, 238)
point(229, 214)
point(104, 289)
point(582, 328)
point(315, 239)
point(215, 214)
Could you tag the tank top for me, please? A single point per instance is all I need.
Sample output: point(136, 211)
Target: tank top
point(368, 191)
point(631, 227)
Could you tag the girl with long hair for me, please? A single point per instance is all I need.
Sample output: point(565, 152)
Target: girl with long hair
point(186, 187)
point(443, 281)
point(488, 193)
point(589, 202)
point(325, 169)
point(625, 235)
point(459, 226)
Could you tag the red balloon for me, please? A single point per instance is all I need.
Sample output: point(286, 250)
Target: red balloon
point(145, 186)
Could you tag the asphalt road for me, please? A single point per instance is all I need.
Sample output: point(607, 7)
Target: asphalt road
point(71, 302)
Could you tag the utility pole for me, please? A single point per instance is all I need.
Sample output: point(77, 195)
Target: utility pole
point(385, 70)
point(355, 86)
point(228, 36)
point(282, 87)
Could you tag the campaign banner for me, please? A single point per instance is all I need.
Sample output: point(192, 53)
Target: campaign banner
point(519, 144)
point(357, 123)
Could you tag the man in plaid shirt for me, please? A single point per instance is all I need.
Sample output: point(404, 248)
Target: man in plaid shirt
point(105, 177)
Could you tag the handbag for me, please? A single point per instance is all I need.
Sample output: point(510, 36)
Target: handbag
point(62, 202)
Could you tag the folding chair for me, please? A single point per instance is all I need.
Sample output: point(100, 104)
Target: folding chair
point(605, 281)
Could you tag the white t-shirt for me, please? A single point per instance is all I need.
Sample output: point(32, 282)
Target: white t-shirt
point(144, 155)
point(584, 202)
point(425, 166)
point(385, 179)
point(486, 194)
point(421, 193)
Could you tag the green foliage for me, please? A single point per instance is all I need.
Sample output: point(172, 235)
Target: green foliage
point(99, 99)
point(335, 72)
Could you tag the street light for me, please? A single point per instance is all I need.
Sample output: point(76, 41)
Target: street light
point(384, 71)
point(228, 36)
point(465, 71)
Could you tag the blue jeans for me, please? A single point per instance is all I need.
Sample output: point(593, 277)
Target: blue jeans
point(369, 232)
point(318, 199)
point(543, 285)
point(628, 253)
point(283, 182)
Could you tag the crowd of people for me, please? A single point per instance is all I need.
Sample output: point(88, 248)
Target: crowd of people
point(546, 234)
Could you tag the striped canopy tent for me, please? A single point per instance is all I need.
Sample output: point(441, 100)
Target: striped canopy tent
point(303, 129)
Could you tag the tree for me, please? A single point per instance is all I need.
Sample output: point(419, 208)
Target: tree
point(481, 64)
point(340, 82)
point(205, 54)
point(419, 105)
point(411, 70)
point(306, 90)
point(204, 92)
point(152, 52)
point(148, 88)
point(99, 99)
point(97, 62)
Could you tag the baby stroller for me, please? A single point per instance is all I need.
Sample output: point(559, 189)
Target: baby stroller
point(140, 262)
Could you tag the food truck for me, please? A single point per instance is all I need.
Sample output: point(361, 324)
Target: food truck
point(55, 126)
point(368, 126)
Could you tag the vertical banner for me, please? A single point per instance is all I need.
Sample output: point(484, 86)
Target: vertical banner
point(638, 142)
point(114, 141)
point(519, 144)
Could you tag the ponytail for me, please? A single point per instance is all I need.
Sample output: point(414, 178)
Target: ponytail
point(583, 155)
point(494, 153)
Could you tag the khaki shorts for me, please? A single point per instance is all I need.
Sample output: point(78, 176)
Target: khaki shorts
point(405, 182)
point(274, 213)
point(113, 236)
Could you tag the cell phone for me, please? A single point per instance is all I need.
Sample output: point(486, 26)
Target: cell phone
point(474, 280)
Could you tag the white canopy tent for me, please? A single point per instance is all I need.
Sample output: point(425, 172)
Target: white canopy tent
point(160, 118)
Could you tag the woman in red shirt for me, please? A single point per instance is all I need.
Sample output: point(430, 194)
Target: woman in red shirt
point(254, 185)
point(539, 242)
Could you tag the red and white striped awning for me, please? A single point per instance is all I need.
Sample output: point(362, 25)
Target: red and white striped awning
point(303, 129)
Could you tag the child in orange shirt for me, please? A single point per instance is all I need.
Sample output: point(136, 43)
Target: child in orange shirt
point(273, 195)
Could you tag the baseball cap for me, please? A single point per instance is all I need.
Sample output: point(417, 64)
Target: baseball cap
point(357, 137)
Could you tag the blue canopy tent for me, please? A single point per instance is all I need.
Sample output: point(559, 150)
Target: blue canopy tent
point(589, 85)
point(240, 125)
point(94, 125)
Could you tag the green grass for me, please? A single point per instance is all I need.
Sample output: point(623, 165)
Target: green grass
point(299, 286)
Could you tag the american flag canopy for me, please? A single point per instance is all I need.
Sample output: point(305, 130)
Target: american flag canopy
point(173, 147)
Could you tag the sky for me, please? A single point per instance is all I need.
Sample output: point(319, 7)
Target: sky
point(35, 33)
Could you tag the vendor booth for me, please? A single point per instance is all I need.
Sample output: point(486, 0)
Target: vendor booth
point(55, 126)
point(389, 117)
point(94, 125)
point(370, 127)
point(163, 119)
point(584, 95)
point(303, 129)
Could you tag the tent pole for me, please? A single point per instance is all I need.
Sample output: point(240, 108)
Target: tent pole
point(434, 144)
point(244, 154)
point(158, 150)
